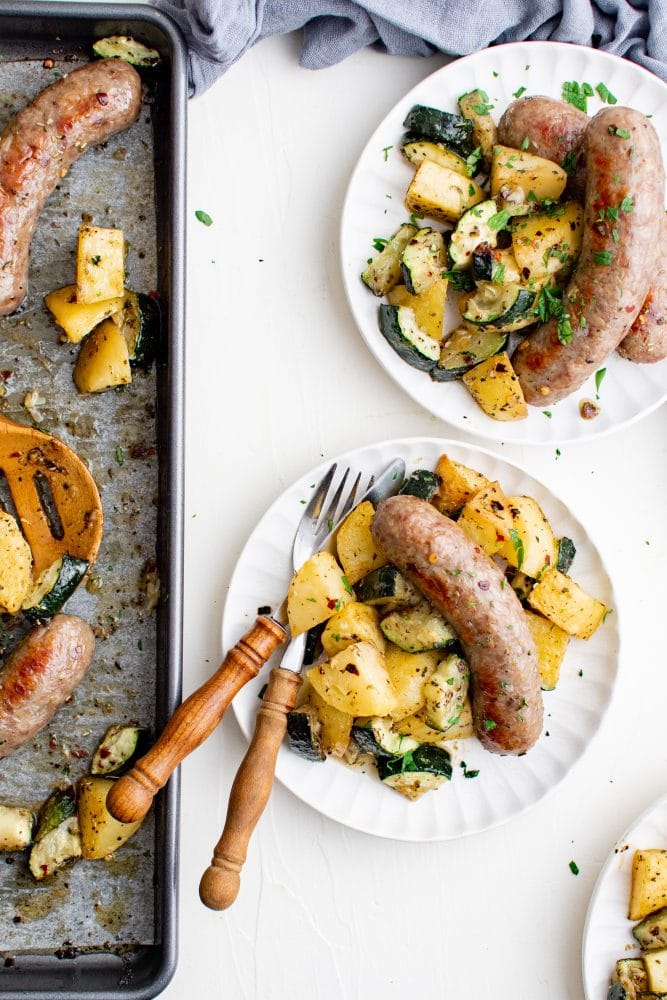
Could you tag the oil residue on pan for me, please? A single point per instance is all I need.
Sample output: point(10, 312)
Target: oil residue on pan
point(92, 903)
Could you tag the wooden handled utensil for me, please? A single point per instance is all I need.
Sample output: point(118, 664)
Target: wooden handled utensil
point(193, 721)
point(54, 495)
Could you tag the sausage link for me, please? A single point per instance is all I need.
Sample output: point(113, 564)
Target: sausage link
point(618, 256)
point(553, 129)
point(39, 145)
point(40, 675)
point(469, 590)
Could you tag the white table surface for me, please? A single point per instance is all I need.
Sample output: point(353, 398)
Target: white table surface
point(278, 379)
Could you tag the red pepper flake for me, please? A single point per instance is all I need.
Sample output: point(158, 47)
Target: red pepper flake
point(352, 669)
point(499, 537)
point(104, 753)
point(80, 753)
point(7, 374)
point(102, 99)
point(331, 604)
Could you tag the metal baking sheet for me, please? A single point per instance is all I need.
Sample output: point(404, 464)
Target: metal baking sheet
point(102, 926)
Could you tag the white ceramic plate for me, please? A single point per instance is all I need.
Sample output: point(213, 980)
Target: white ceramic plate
point(374, 207)
point(506, 785)
point(608, 932)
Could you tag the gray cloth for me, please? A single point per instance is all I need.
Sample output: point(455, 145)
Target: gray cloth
point(219, 31)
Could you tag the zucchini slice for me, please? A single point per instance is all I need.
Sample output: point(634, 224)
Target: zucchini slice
point(464, 348)
point(399, 328)
point(54, 586)
point(445, 692)
point(304, 731)
point(651, 932)
point(475, 107)
point(387, 588)
point(377, 737)
point(139, 319)
point(566, 553)
point(417, 630)
point(423, 260)
point(120, 747)
point(16, 828)
point(128, 49)
point(385, 271)
point(502, 306)
point(421, 483)
point(472, 229)
point(57, 838)
point(434, 125)
point(417, 152)
point(59, 806)
point(417, 771)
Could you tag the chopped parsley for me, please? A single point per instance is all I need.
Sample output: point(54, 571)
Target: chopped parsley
point(379, 243)
point(547, 413)
point(577, 94)
point(599, 375)
point(499, 220)
point(603, 257)
point(525, 144)
point(549, 304)
point(471, 190)
point(518, 547)
point(628, 204)
point(483, 107)
point(203, 217)
point(461, 281)
point(385, 150)
point(499, 274)
point(95, 260)
point(574, 867)
point(607, 612)
point(570, 163)
point(472, 161)
point(606, 95)
point(489, 724)
point(466, 772)
point(565, 332)
point(120, 455)
point(347, 585)
point(622, 133)
point(519, 92)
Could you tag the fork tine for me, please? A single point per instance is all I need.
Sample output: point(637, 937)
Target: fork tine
point(330, 514)
point(316, 502)
point(351, 500)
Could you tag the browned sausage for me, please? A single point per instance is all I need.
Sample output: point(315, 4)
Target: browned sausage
point(40, 144)
point(618, 256)
point(40, 675)
point(469, 590)
point(553, 129)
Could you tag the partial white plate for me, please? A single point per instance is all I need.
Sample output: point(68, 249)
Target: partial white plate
point(608, 932)
point(506, 785)
point(374, 207)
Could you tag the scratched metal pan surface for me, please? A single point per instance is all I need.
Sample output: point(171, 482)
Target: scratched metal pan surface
point(104, 929)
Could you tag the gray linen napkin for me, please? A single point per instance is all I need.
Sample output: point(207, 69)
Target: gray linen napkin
point(219, 31)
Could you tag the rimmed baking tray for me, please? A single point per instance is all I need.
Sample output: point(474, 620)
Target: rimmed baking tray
point(104, 929)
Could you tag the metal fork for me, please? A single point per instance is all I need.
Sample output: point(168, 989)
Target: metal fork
point(195, 719)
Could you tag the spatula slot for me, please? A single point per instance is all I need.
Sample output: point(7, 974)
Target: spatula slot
point(45, 494)
point(6, 498)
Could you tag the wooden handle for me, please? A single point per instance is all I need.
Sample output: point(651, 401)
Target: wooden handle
point(193, 721)
point(221, 881)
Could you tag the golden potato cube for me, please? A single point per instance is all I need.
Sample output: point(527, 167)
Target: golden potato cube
point(441, 193)
point(336, 725)
point(101, 834)
point(355, 681)
point(458, 484)
point(649, 883)
point(566, 604)
point(15, 565)
point(486, 519)
point(551, 644)
point(354, 623)
point(416, 727)
point(544, 244)
point(428, 306)
point(104, 360)
point(655, 963)
point(316, 592)
point(536, 177)
point(494, 385)
point(407, 672)
point(100, 264)
point(532, 546)
point(357, 552)
point(78, 318)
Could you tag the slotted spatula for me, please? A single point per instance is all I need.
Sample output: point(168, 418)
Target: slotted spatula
point(54, 495)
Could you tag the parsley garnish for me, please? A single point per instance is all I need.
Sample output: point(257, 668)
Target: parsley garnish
point(472, 161)
point(565, 332)
point(489, 724)
point(471, 190)
point(577, 95)
point(607, 612)
point(120, 455)
point(547, 413)
point(467, 773)
point(604, 257)
point(525, 144)
point(385, 150)
point(499, 220)
point(599, 375)
point(549, 304)
point(347, 585)
point(461, 281)
point(483, 107)
point(605, 94)
point(499, 274)
point(518, 547)
point(574, 867)
point(519, 92)
point(570, 163)
point(379, 243)
point(203, 217)
point(628, 204)
point(95, 260)
point(622, 133)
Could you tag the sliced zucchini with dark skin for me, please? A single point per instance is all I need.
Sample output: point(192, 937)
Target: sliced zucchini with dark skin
point(445, 692)
point(399, 328)
point(120, 747)
point(472, 229)
point(417, 630)
point(385, 271)
point(417, 152)
point(421, 483)
point(417, 771)
point(423, 260)
point(464, 348)
point(491, 264)
point(139, 319)
point(16, 827)
point(385, 587)
point(54, 586)
point(499, 306)
point(651, 932)
point(433, 125)
point(617, 991)
point(304, 733)
point(475, 106)
point(128, 49)
point(57, 839)
point(566, 553)
point(376, 736)
point(630, 973)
